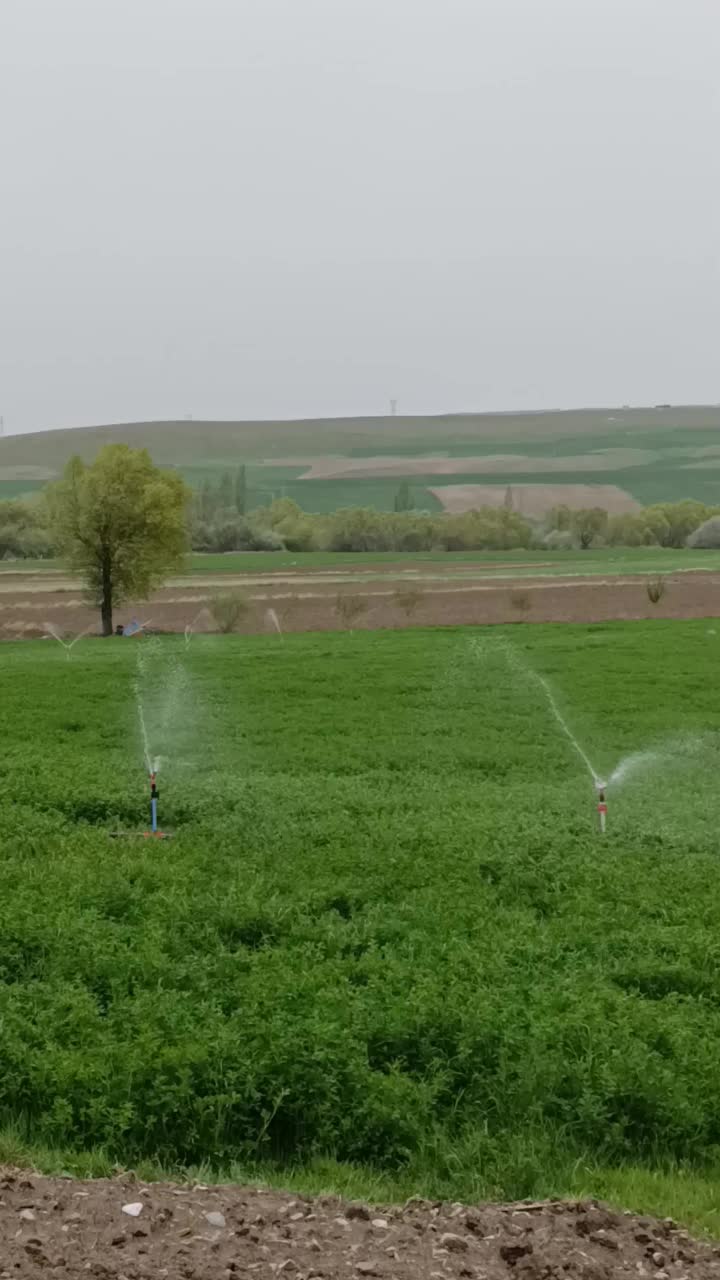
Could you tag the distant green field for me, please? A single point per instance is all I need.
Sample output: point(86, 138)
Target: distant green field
point(636, 560)
point(203, 450)
point(612, 560)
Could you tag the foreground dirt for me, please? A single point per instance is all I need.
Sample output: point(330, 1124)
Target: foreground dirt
point(310, 602)
point(57, 1227)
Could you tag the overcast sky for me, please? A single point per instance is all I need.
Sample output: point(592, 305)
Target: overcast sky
point(259, 208)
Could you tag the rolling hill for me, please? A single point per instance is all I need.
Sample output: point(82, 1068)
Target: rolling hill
point(645, 455)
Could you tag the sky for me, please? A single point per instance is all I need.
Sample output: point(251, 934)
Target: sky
point(289, 208)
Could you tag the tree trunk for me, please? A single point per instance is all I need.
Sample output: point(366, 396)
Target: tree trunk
point(106, 603)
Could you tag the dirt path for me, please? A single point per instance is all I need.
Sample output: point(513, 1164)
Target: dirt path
point(56, 1227)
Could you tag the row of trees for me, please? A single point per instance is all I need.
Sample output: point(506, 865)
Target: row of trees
point(216, 524)
point(285, 524)
point(124, 525)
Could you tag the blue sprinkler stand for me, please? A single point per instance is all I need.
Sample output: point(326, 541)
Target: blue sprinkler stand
point(154, 833)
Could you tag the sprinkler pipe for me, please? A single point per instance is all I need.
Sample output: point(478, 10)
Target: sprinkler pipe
point(154, 796)
point(601, 788)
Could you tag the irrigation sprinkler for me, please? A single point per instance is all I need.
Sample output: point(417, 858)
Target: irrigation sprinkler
point(154, 832)
point(601, 788)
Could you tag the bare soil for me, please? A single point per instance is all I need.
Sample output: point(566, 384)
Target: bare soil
point(395, 598)
point(57, 1227)
point(536, 499)
point(439, 464)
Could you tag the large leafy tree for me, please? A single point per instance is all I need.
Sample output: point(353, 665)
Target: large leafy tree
point(121, 523)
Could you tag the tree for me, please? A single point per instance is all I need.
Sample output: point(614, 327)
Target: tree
point(588, 524)
point(681, 519)
point(120, 523)
point(226, 494)
point(403, 498)
point(559, 518)
point(241, 490)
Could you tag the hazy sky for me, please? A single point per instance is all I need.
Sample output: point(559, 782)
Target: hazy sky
point(258, 208)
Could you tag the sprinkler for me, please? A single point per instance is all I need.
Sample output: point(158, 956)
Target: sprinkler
point(154, 833)
point(154, 797)
point(601, 788)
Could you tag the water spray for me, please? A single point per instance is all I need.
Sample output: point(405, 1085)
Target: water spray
point(67, 645)
point(272, 617)
point(190, 626)
point(599, 785)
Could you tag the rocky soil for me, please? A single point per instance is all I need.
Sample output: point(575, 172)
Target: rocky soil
point(126, 1230)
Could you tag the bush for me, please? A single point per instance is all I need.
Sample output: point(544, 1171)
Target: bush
point(521, 601)
point(655, 588)
point(349, 608)
point(408, 600)
point(227, 609)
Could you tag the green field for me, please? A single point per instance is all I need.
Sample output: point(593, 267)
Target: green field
point(386, 932)
point(675, 437)
point(605, 561)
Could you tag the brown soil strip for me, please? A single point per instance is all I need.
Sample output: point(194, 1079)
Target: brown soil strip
point(312, 605)
point(125, 1230)
point(535, 499)
point(329, 468)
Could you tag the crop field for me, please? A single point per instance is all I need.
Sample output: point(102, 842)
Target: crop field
point(520, 563)
point(386, 930)
point(644, 455)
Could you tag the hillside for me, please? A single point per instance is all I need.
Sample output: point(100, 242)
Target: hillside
point(636, 455)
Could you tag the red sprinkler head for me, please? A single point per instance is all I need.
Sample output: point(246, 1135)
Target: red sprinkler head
point(602, 804)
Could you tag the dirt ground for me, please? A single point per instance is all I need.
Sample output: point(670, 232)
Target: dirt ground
point(57, 1227)
point(536, 499)
point(392, 598)
point(439, 464)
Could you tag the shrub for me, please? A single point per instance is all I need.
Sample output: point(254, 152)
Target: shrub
point(521, 601)
point(349, 608)
point(655, 588)
point(227, 609)
point(408, 599)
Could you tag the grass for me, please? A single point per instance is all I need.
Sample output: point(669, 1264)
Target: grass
point(609, 561)
point(689, 1197)
point(386, 950)
point(604, 561)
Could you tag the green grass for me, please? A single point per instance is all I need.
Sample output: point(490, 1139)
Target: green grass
point(386, 949)
point(605, 561)
point(609, 560)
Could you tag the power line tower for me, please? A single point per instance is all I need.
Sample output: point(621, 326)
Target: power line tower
point(393, 408)
point(2, 425)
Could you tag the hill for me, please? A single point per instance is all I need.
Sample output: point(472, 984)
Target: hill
point(642, 455)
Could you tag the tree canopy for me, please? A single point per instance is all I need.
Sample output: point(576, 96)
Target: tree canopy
point(120, 523)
